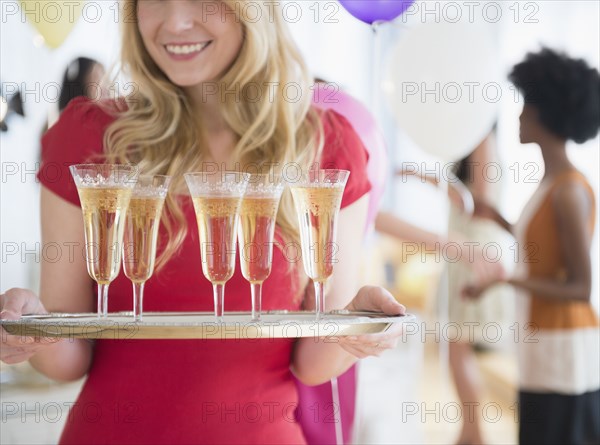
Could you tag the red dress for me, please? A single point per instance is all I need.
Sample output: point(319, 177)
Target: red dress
point(187, 391)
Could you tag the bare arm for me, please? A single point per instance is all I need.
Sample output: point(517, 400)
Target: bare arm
point(65, 287)
point(316, 361)
point(390, 224)
point(480, 186)
point(484, 210)
point(480, 158)
point(571, 210)
point(484, 270)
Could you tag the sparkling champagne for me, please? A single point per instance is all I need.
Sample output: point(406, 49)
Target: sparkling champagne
point(317, 209)
point(256, 232)
point(141, 233)
point(104, 210)
point(217, 225)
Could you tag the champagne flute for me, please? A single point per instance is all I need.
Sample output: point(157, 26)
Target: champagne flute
point(217, 197)
point(258, 214)
point(141, 233)
point(104, 191)
point(317, 198)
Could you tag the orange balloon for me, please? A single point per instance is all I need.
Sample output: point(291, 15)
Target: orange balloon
point(54, 20)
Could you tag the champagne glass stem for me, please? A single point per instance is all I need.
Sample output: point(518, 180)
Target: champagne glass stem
point(102, 300)
point(138, 300)
point(219, 296)
point(319, 298)
point(256, 289)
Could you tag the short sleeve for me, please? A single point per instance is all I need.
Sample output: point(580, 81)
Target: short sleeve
point(76, 138)
point(344, 150)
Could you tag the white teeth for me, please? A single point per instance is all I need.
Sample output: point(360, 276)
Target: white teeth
point(186, 49)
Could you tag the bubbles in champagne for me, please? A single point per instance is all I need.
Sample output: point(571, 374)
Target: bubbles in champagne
point(259, 206)
point(109, 199)
point(317, 209)
point(257, 228)
point(216, 206)
point(104, 222)
point(217, 225)
point(141, 233)
point(318, 200)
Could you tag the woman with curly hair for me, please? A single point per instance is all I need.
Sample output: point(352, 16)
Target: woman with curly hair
point(216, 84)
point(559, 347)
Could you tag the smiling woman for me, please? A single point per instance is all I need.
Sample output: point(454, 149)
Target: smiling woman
point(193, 63)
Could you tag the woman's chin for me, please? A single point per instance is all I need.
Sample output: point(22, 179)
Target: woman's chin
point(188, 81)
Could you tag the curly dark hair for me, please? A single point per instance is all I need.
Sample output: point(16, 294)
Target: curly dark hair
point(565, 91)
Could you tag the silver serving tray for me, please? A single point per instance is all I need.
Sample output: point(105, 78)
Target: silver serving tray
point(202, 325)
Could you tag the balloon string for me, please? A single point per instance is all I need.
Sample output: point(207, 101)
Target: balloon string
point(376, 71)
point(337, 413)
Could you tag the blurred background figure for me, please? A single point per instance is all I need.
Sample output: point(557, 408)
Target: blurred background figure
point(473, 237)
point(497, 305)
point(9, 106)
point(83, 77)
point(559, 341)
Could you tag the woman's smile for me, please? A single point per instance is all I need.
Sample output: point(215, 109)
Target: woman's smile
point(185, 50)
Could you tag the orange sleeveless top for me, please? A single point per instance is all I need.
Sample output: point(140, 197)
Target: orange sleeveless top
point(546, 260)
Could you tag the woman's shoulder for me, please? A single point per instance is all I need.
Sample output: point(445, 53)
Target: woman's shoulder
point(339, 136)
point(572, 187)
point(343, 149)
point(570, 181)
point(90, 112)
point(80, 129)
point(335, 125)
point(76, 138)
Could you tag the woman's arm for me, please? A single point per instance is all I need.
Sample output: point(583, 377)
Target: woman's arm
point(390, 224)
point(472, 256)
point(317, 360)
point(480, 186)
point(484, 210)
point(479, 160)
point(65, 287)
point(572, 207)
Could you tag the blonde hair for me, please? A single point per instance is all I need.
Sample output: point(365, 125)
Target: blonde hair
point(158, 131)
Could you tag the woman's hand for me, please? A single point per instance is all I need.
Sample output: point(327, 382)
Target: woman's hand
point(13, 304)
point(484, 210)
point(376, 299)
point(475, 291)
point(484, 270)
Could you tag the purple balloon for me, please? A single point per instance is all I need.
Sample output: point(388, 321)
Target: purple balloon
point(371, 11)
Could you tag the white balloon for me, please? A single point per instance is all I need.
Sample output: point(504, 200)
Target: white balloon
point(442, 84)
